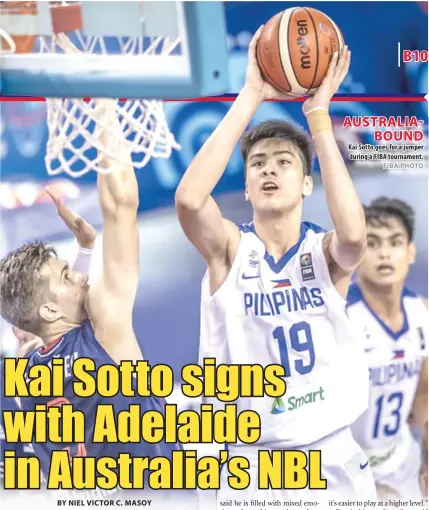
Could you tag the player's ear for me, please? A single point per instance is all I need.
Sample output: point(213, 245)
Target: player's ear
point(49, 312)
point(411, 253)
point(307, 187)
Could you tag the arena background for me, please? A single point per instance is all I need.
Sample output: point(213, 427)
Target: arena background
point(167, 307)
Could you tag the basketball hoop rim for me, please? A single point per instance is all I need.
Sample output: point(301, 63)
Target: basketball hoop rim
point(117, 66)
point(204, 76)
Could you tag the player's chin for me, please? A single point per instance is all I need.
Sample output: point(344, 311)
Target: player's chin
point(270, 203)
point(387, 280)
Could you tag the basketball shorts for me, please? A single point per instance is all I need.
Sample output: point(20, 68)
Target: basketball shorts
point(345, 468)
point(403, 478)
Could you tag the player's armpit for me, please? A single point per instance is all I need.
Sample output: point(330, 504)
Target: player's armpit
point(112, 324)
point(214, 237)
point(30, 346)
point(342, 260)
point(346, 253)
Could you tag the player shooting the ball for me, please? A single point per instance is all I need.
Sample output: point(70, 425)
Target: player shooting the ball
point(275, 289)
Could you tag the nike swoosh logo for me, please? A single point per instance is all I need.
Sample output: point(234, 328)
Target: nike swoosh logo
point(363, 466)
point(245, 277)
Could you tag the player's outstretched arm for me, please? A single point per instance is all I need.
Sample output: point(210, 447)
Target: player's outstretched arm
point(346, 246)
point(110, 301)
point(198, 213)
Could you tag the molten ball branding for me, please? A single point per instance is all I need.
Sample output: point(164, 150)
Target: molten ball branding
point(302, 42)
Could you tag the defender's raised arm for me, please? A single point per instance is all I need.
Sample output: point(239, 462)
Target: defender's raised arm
point(110, 302)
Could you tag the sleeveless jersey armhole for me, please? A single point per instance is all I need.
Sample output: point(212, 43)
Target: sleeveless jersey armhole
point(232, 270)
point(326, 275)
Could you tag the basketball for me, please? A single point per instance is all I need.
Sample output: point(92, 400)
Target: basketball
point(295, 49)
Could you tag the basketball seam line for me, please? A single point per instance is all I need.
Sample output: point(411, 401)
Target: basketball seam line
point(266, 75)
point(288, 49)
point(336, 35)
point(317, 50)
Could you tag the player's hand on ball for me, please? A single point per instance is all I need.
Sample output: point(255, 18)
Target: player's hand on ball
point(84, 232)
point(338, 69)
point(254, 78)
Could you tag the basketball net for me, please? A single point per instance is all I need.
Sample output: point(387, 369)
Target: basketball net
point(74, 146)
point(75, 126)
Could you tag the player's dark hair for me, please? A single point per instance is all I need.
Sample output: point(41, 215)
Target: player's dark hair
point(382, 209)
point(22, 290)
point(283, 131)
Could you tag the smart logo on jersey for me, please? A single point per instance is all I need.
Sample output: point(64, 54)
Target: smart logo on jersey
point(282, 283)
point(278, 406)
point(309, 398)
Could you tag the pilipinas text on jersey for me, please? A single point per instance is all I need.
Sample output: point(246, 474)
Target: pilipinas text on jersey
point(288, 312)
point(81, 343)
point(394, 359)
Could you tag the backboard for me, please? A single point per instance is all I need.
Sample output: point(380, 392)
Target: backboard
point(131, 49)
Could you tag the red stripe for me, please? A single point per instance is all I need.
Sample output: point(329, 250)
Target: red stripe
point(49, 347)
point(353, 99)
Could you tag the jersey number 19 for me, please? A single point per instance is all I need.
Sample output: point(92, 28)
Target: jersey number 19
point(296, 345)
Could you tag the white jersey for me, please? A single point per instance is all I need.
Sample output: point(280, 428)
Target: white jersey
point(394, 361)
point(288, 313)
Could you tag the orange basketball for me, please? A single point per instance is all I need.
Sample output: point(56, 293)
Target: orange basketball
point(295, 49)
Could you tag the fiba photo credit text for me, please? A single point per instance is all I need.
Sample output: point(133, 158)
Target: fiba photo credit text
point(214, 254)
